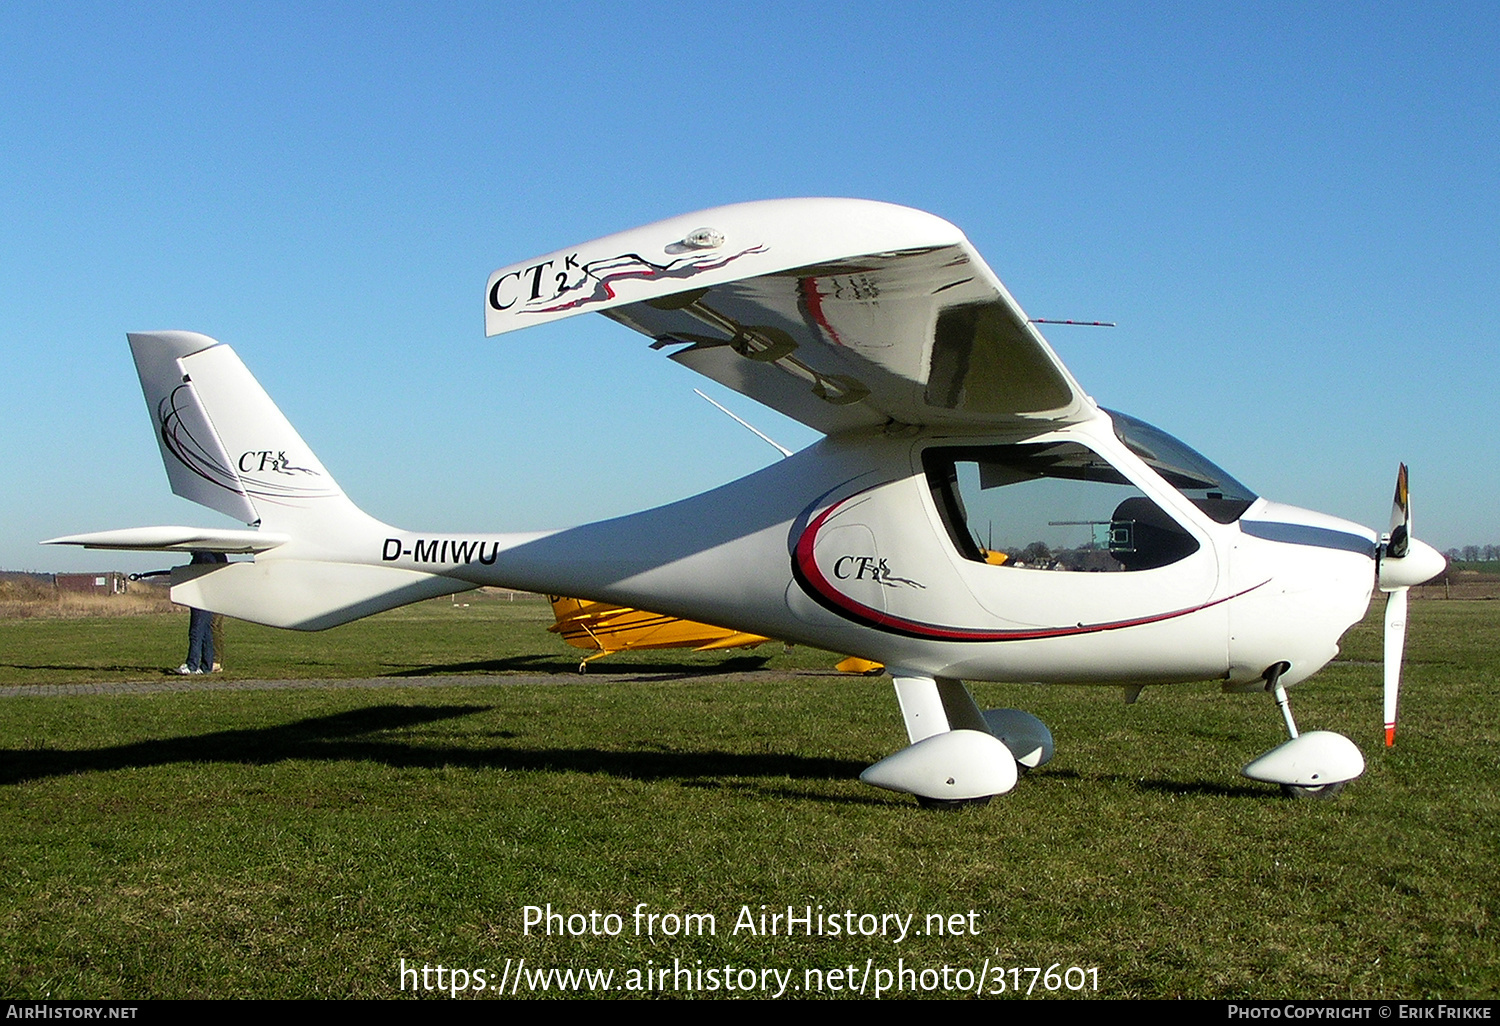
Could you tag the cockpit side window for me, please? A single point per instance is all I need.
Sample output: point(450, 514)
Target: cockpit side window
point(1200, 481)
point(1049, 506)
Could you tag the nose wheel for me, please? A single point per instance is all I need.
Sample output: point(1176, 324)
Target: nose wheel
point(1324, 792)
point(1313, 765)
point(948, 805)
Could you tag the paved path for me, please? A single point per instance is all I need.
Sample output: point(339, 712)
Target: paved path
point(470, 680)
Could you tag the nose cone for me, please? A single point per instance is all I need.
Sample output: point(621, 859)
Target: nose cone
point(1421, 563)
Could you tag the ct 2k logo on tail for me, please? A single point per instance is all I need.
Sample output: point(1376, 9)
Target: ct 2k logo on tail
point(266, 459)
point(440, 550)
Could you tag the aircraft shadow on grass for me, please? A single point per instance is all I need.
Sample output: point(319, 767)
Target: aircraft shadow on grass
point(337, 738)
point(130, 668)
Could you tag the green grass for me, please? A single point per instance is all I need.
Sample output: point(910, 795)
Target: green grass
point(484, 633)
point(299, 843)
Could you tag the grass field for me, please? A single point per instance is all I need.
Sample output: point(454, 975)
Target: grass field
point(301, 842)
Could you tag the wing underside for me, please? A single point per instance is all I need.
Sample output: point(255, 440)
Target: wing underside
point(842, 314)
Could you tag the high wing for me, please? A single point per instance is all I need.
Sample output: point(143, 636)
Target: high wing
point(839, 313)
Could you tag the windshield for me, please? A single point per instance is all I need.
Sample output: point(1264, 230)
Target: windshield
point(1205, 485)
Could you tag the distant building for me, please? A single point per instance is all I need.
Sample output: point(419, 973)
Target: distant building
point(110, 583)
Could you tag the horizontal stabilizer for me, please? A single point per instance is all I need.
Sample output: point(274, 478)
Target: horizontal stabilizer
point(177, 539)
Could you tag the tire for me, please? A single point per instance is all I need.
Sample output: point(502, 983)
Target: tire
point(952, 805)
point(1321, 792)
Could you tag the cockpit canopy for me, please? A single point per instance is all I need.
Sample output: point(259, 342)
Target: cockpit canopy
point(1059, 505)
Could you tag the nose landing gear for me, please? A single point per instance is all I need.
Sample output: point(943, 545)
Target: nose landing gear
point(1313, 765)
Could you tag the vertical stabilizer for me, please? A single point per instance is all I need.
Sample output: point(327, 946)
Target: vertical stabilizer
point(227, 446)
point(198, 466)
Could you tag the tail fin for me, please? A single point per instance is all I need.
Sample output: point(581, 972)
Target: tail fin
point(227, 446)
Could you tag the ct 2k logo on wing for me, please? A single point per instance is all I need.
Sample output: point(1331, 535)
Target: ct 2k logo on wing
point(570, 281)
point(544, 282)
point(869, 568)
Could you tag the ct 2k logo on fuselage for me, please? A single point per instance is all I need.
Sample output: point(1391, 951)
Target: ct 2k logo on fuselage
point(870, 568)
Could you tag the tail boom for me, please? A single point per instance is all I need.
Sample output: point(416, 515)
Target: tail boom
point(304, 595)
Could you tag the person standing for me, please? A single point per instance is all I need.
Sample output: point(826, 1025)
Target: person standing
point(200, 657)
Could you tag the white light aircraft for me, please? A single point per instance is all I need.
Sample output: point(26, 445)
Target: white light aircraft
point(971, 513)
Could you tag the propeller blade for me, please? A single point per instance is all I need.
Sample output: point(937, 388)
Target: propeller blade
point(1395, 643)
point(1400, 518)
point(1400, 563)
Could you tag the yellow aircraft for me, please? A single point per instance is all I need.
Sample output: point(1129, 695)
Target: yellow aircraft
point(604, 629)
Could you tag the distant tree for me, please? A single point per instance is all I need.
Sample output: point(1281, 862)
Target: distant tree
point(1036, 552)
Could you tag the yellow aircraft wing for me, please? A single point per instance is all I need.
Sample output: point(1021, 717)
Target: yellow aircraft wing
point(604, 628)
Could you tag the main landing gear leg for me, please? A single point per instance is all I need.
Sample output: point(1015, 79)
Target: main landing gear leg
point(953, 760)
point(1313, 765)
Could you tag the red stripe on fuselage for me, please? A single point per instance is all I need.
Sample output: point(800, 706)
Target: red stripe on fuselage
point(810, 576)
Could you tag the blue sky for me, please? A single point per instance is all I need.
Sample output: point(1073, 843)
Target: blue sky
point(1291, 211)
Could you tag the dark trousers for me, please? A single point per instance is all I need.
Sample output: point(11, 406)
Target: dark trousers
point(200, 640)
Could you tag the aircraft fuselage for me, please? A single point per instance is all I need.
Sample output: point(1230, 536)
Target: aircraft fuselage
point(872, 566)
